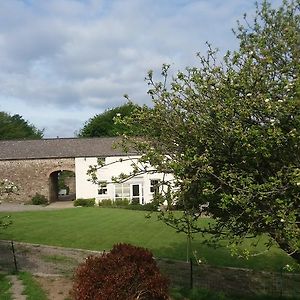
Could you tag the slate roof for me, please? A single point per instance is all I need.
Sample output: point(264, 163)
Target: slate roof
point(58, 148)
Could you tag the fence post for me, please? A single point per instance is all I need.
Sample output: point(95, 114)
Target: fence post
point(191, 274)
point(281, 282)
point(14, 255)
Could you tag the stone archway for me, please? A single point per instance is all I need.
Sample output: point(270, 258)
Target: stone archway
point(62, 189)
point(33, 176)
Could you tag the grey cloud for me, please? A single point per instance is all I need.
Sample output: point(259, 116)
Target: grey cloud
point(84, 55)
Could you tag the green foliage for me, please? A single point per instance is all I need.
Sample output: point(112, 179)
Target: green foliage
point(102, 125)
point(39, 199)
point(33, 290)
point(61, 179)
point(15, 127)
point(121, 202)
point(125, 203)
point(229, 132)
point(126, 272)
point(5, 221)
point(142, 207)
point(87, 202)
point(197, 294)
point(135, 201)
point(106, 203)
point(7, 187)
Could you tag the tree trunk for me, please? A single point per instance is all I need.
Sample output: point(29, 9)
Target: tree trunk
point(295, 254)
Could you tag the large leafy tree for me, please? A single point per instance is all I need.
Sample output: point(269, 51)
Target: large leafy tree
point(229, 132)
point(103, 125)
point(15, 127)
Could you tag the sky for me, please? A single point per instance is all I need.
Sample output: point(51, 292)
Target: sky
point(64, 61)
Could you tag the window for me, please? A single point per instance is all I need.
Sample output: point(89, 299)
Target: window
point(154, 186)
point(102, 189)
point(122, 191)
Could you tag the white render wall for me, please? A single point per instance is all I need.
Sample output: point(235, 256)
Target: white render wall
point(114, 167)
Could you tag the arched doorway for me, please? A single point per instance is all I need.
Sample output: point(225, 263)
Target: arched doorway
point(62, 186)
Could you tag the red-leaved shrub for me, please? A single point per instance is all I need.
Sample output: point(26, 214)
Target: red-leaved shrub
point(125, 273)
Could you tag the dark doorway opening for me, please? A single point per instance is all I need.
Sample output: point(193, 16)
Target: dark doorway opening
point(62, 186)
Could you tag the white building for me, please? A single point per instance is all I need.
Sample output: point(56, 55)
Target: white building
point(35, 166)
point(139, 189)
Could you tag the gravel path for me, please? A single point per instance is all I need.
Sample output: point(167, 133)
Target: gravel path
point(12, 207)
point(17, 288)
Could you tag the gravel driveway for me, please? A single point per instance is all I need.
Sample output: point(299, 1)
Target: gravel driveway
point(11, 207)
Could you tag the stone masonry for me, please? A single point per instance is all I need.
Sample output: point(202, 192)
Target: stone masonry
point(34, 165)
point(34, 176)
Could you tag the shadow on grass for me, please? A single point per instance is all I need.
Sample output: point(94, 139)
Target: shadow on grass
point(222, 272)
point(273, 260)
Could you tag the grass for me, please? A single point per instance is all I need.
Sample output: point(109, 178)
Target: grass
point(201, 294)
point(5, 285)
point(100, 228)
point(58, 259)
point(32, 290)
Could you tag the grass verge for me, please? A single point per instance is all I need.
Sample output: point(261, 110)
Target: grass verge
point(5, 285)
point(32, 290)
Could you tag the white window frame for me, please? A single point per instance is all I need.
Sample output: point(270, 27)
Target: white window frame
point(141, 197)
point(122, 191)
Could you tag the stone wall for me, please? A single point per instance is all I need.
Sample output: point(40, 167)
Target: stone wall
point(33, 176)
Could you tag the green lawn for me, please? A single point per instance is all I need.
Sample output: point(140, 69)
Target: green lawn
point(100, 228)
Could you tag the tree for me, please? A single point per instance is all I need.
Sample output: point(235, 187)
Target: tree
point(15, 127)
point(6, 188)
point(103, 124)
point(229, 132)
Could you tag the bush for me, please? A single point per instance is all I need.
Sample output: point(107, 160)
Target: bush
point(39, 199)
point(135, 202)
point(125, 273)
point(121, 202)
point(84, 202)
point(116, 203)
point(144, 207)
point(105, 202)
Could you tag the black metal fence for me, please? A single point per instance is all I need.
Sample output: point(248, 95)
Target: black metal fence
point(8, 260)
point(16, 256)
point(232, 281)
point(39, 259)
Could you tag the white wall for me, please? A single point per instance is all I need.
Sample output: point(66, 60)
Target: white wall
point(114, 167)
point(84, 188)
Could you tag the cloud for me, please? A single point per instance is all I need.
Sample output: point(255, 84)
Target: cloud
point(78, 57)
